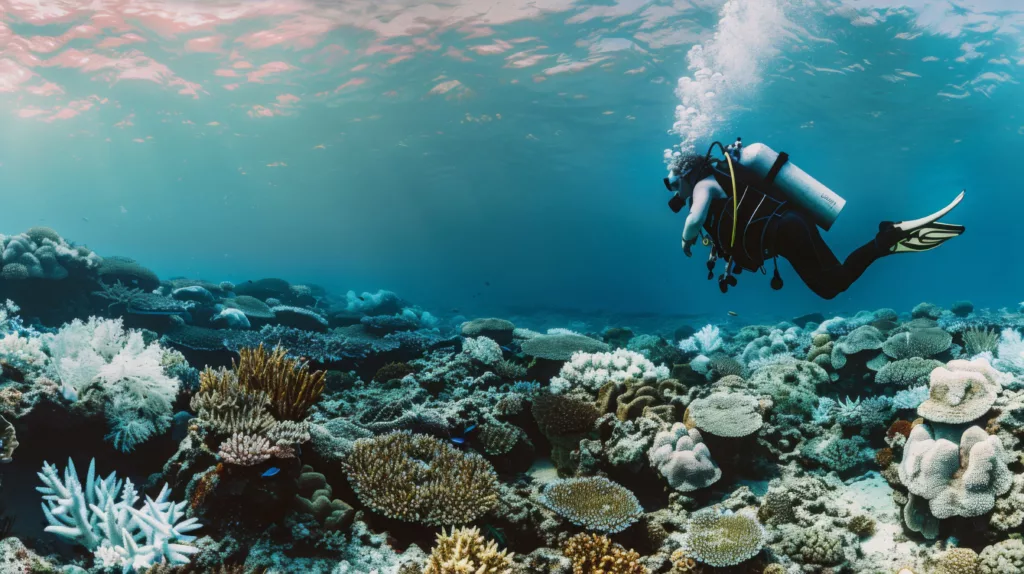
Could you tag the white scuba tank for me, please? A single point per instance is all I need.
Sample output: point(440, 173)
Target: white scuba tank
point(818, 201)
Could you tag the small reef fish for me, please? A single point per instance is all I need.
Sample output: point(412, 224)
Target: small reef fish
point(462, 439)
point(272, 471)
point(733, 314)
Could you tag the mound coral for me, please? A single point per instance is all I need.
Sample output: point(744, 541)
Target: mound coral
point(464, 550)
point(792, 386)
point(956, 479)
point(723, 539)
point(417, 478)
point(561, 347)
point(907, 372)
point(815, 545)
point(957, 561)
point(725, 415)
point(498, 330)
point(861, 339)
point(564, 416)
point(595, 554)
point(632, 399)
point(921, 342)
point(682, 458)
point(595, 503)
point(962, 391)
point(590, 371)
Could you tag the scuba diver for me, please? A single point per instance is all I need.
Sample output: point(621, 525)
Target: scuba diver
point(753, 205)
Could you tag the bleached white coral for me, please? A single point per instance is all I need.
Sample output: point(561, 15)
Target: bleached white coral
point(102, 518)
point(590, 371)
point(1010, 352)
point(482, 349)
point(25, 353)
point(129, 372)
point(706, 341)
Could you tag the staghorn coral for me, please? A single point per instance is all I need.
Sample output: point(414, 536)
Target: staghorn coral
point(288, 383)
point(725, 414)
point(723, 539)
point(596, 554)
point(962, 391)
point(245, 450)
point(681, 457)
point(225, 407)
point(464, 550)
point(595, 503)
point(417, 478)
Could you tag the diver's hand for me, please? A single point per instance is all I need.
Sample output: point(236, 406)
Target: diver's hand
point(687, 245)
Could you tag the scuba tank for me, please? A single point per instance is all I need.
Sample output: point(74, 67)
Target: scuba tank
point(811, 196)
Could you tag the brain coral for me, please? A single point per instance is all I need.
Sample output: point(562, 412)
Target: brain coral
point(957, 480)
point(864, 338)
point(962, 391)
point(417, 478)
point(923, 342)
point(594, 503)
point(723, 539)
point(561, 347)
point(681, 457)
point(725, 415)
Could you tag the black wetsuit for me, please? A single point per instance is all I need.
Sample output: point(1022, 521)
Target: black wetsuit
point(799, 242)
point(770, 227)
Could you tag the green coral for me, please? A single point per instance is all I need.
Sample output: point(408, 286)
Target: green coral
point(723, 539)
point(923, 342)
point(791, 386)
point(907, 372)
point(561, 347)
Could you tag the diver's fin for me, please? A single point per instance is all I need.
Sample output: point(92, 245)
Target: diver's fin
point(925, 237)
point(916, 223)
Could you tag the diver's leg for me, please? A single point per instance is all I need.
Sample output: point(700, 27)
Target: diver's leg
point(800, 242)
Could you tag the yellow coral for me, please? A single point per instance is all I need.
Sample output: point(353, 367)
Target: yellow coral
point(595, 554)
point(465, 551)
point(288, 383)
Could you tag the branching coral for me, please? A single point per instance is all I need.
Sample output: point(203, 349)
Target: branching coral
point(103, 518)
point(595, 503)
point(590, 371)
point(288, 383)
point(706, 341)
point(977, 341)
point(417, 478)
point(464, 550)
point(595, 554)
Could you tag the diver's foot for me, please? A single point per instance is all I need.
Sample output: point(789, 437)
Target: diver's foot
point(918, 234)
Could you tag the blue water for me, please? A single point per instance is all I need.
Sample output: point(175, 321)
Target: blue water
point(332, 145)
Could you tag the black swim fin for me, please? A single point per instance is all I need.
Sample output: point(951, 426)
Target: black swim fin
point(919, 234)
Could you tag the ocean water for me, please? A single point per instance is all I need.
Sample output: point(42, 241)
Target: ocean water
point(358, 181)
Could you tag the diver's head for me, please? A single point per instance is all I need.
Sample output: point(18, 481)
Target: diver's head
point(685, 171)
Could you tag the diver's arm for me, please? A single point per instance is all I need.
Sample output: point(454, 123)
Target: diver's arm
point(700, 202)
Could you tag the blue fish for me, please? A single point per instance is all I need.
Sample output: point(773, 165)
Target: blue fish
point(458, 439)
point(270, 472)
point(506, 349)
point(469, 429)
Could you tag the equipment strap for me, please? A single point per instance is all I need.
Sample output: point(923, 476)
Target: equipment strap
point(774, 171)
